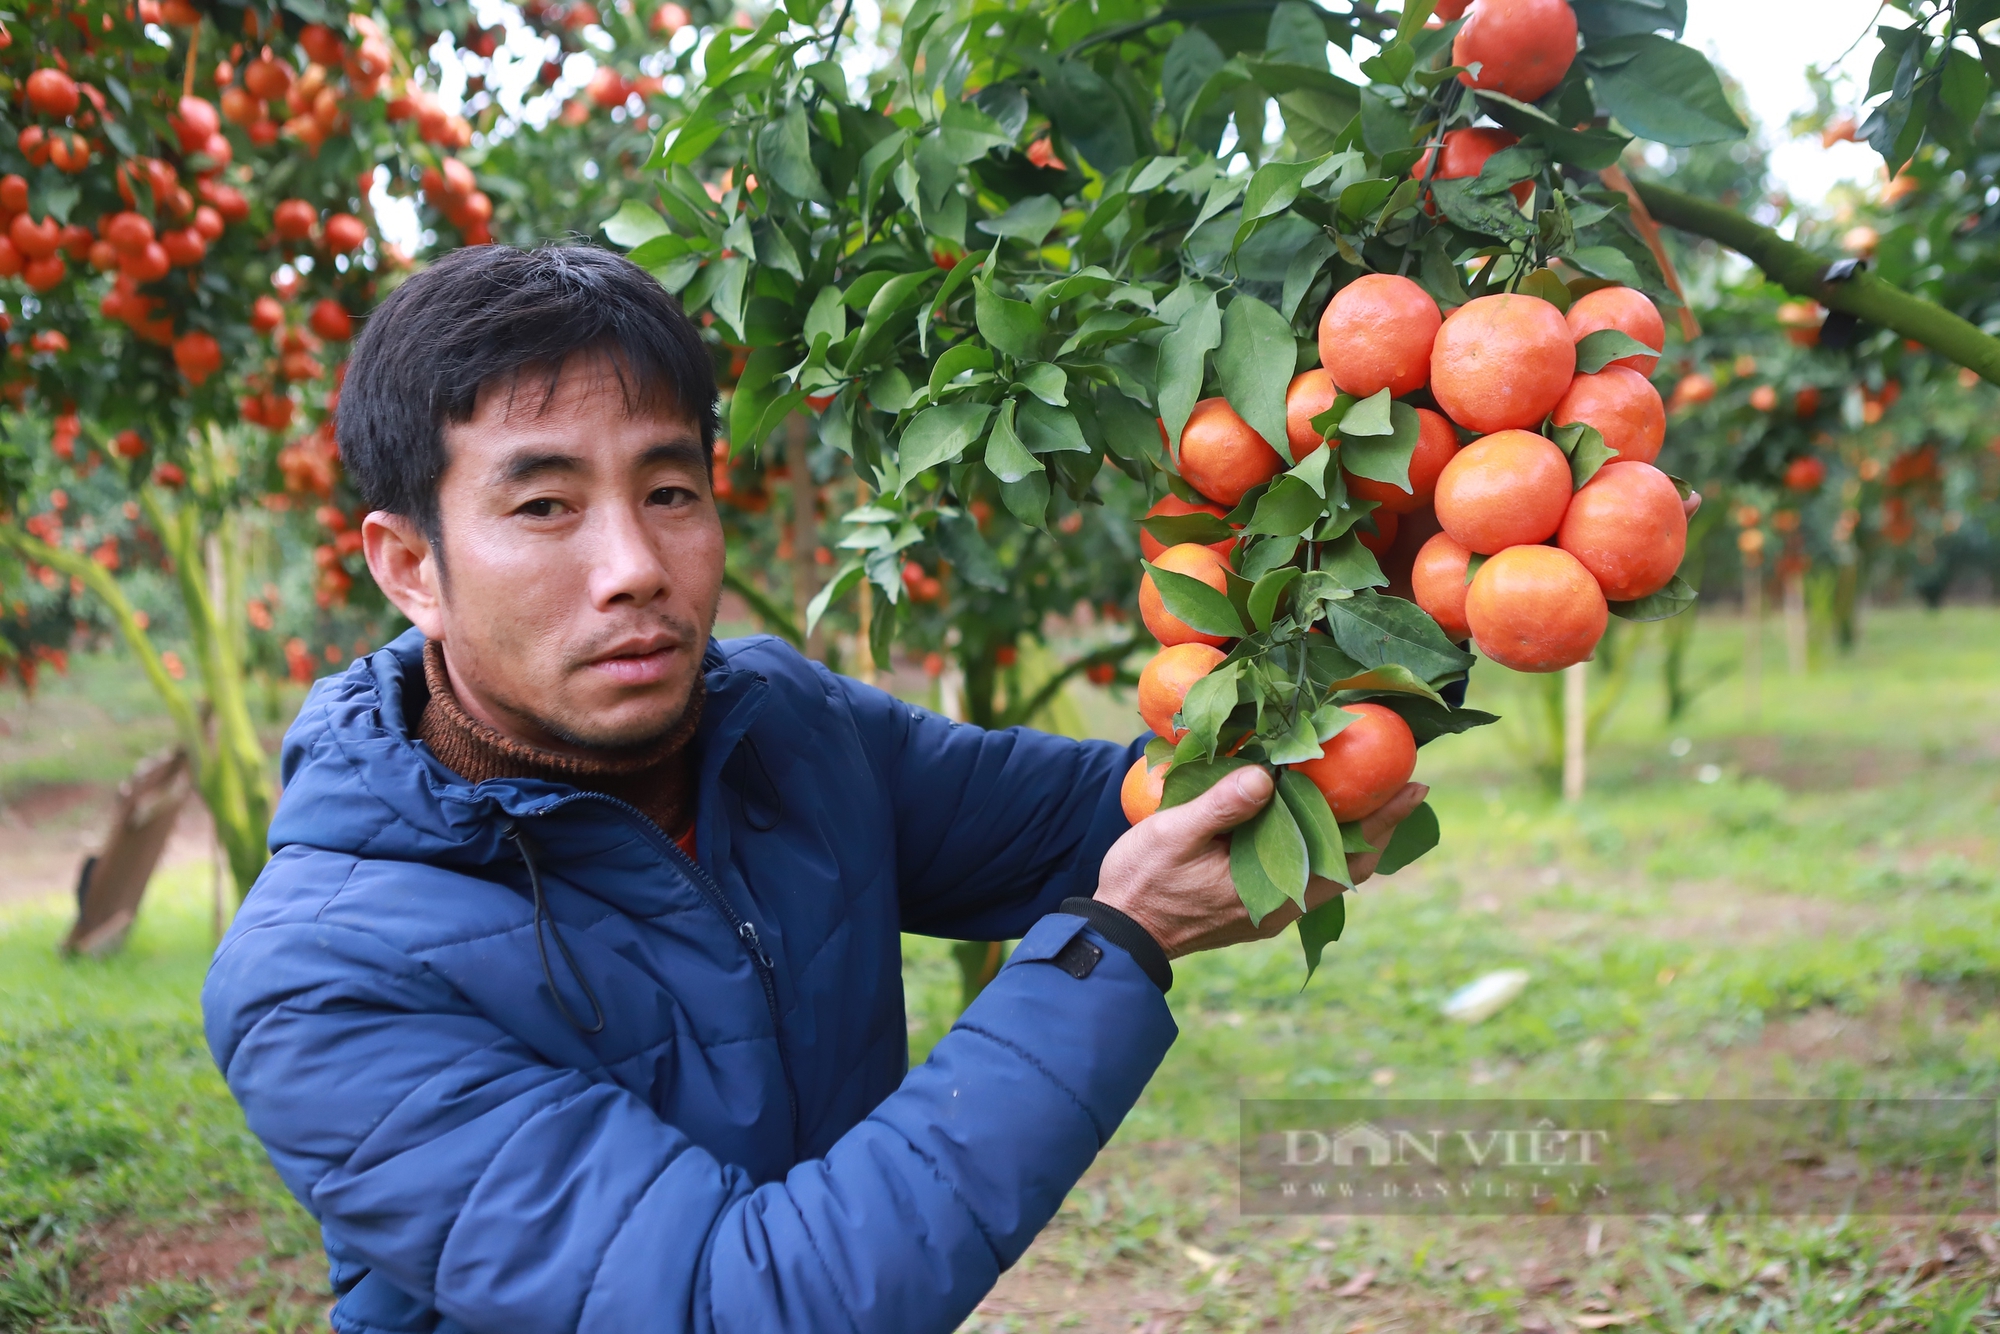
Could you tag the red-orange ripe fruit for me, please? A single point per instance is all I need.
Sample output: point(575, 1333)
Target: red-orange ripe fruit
point(1628, 528)
point(1198, 563)
point(1504, 490)
point(1377, 333)
point(1365, 763)
point(1535, 609)
point(1438, 580)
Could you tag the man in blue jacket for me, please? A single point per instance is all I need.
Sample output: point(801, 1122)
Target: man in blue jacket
point(570, 999)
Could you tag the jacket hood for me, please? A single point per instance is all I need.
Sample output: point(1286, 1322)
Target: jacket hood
point(357, 780)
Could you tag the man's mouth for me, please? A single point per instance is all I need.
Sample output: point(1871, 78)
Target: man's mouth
point(638, 662)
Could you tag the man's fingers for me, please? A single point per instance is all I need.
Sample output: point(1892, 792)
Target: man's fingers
point(1692, 503)
point(1378, 826)
point(1229, 803)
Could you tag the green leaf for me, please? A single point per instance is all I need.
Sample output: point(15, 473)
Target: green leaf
point(1595, 351)
point(1190, 778)
point(1255, 366)
point(1415, 836)
point(756, 388)
point(888, 307)
point(850, 574)
point(1608, 263)
point(1174, 529)
point(1092, 281)
point(1289, 509)
point(1194, 602)
point(1324, 853)
point(1012, 326)
point(1302, 269)
point(1158, 752)
point(940, 435)
point(1028, 220)
point(1430, 720)
point(1586, 450)
point(1620, 18)
point(1208, 705)
point(1661, 90)
point(1047, 430)
point(1463, 202)
point(959, 538)
point(1028, 499)
point(1320, 928)
point(633, 224)
point(1183, 358)
point(1046, 382)
point(784, 151)
point(1267, 555)
point(1264, 595)
point(1472, 564)
point(1669, 602)
point(1441, 278)
point(1375, 630)
point(827, 316)
point(1351, 564)
point(1591, 148)
point(1383, 457)
point(956, 361)
point(1390, 678)
point(1370, 416)
point(1267, 860)
point(1006, 457)
point(967, 134)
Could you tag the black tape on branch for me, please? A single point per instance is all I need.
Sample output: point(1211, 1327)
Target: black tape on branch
point(1840, 330)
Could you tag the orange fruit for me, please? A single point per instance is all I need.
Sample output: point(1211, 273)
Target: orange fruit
point(1197, 562)
point(1450, 9)
point(1437, 443)
point(1383, 537)
point(1629, 312)
point(1624, 407)
point(1502, 361)
point(1504, 490)
point(1142, 789)
point(1522, 47)
point(1165, 681)
point(1376, 334)
point(1627, 527)
point(1170, 506)
point(1310, 393)
point(1366, 763)
point(1438, 581)
point(1221, 457)
point(1535, 609)
point(1465, 154)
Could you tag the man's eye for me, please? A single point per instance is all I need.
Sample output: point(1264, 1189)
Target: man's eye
point(540, 509)
point(670, 495)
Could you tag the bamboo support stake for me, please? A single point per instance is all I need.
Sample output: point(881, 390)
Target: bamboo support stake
point(805, 525)
point(1753, 630)
point(1796, 648)
point(1576, 728)
point(864, 613)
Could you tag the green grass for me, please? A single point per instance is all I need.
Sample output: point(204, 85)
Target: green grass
point(1804, 905)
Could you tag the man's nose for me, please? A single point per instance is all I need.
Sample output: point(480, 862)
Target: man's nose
point(625, 564)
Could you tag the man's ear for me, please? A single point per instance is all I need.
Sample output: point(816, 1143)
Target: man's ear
point(405, 569)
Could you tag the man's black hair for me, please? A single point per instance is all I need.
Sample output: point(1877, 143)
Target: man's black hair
point(489, 315)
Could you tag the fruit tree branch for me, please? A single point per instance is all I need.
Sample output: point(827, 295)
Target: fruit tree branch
point(1803, 273)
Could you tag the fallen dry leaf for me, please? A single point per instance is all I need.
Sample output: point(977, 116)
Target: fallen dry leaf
point(1357, 1285)
point(1610, 1318)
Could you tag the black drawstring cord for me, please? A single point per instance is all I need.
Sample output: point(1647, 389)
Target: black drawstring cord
point(520, 840)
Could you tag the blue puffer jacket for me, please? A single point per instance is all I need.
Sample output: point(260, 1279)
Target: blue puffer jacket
point(743, 1146)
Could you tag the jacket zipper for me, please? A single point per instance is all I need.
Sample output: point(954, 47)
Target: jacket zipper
point(746, 932)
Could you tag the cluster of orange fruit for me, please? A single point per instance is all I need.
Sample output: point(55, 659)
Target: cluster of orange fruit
point(1491, 538)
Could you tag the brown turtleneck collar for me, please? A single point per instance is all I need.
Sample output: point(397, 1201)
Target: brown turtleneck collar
point(658, 778)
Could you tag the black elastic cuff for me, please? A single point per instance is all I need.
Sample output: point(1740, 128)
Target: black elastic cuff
point(1127, 935)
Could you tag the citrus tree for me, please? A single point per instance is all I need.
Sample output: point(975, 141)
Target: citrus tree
point(1046, 241)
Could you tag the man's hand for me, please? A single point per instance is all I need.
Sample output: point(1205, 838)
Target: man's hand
point(1170, 872)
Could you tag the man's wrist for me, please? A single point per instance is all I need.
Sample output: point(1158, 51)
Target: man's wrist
point(1128, 935)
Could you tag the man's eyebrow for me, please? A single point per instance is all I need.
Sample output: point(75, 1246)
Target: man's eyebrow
point(686, 453)
point(525, 466)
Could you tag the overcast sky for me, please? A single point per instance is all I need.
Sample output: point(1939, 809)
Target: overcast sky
point(1766, 45)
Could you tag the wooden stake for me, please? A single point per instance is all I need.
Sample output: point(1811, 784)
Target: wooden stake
point(805, 523)
point(1796, 648)
point(1753, 643)
point(187, 75)
point(1576, 691)
point(865, 613)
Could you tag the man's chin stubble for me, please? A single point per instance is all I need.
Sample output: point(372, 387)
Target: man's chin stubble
point(621, 743)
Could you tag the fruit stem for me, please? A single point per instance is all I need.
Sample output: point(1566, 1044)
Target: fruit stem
point(1802, 272)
